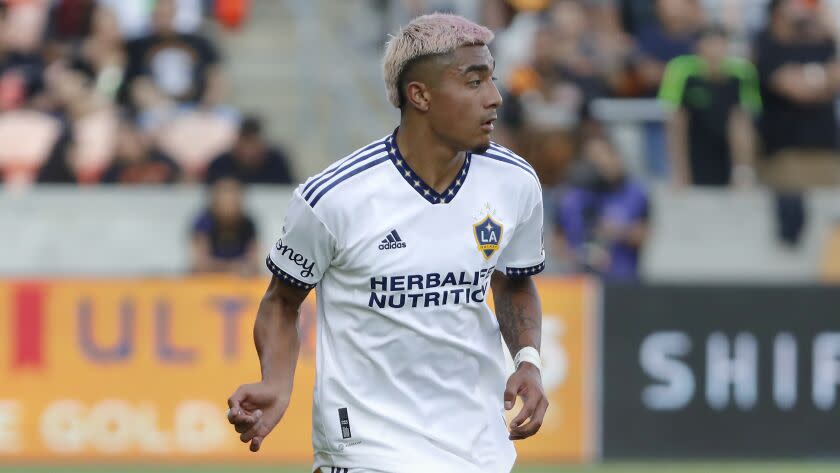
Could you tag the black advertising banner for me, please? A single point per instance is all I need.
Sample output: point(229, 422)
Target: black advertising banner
point(721, 372)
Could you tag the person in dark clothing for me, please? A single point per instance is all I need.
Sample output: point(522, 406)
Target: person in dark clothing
point(224, 237)
point(21, 71)
point(252, 160)
point(137, 162)
point(21, 79)
point(674, 33)
point(800, 78)
point(601, 222)
point(168, 68)
point(710, 131)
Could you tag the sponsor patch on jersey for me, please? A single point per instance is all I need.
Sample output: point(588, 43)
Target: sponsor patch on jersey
point(488, 235)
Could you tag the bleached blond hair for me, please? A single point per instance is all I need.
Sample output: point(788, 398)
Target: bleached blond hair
point(427, 35)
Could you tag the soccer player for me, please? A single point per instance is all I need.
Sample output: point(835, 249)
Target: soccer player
point(402, 239)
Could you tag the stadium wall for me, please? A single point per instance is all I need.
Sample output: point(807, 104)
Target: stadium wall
point(101, 231)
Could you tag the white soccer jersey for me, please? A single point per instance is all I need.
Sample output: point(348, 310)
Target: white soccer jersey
point(410, 367)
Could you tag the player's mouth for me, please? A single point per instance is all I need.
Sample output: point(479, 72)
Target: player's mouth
point(488, 126)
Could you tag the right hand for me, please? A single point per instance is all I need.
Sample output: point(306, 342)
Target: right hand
point(254, 411)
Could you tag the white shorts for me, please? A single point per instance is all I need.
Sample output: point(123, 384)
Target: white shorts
point(335, 469)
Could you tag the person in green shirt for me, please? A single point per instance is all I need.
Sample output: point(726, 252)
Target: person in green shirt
point(712, 98)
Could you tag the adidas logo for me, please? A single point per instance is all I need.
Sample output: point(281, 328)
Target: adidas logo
point(392, 241)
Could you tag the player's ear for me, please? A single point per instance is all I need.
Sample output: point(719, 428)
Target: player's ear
point(417, 95)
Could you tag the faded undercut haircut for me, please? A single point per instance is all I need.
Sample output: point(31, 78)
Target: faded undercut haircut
point(426, 36)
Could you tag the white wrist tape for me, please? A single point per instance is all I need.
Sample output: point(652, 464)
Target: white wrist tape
point(529, 354)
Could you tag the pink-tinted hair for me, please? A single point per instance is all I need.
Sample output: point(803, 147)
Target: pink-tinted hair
point(437, 33)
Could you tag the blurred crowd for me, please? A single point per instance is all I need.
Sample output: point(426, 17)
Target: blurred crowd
point(136, 92)
point(124, 92)
point(748, 89)
point(130, 92)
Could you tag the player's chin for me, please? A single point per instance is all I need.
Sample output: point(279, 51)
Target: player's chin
point(481, 143)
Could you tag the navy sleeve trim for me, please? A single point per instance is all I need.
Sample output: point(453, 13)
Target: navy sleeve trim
point(525, 272)
point(286, 277)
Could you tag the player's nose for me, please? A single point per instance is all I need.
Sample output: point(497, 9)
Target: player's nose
point(495, 99)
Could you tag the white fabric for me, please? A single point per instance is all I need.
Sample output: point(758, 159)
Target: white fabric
point(334, 469)
point(406, 342)
point(528, 354)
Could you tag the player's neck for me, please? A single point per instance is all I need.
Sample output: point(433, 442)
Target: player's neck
point(434, 162)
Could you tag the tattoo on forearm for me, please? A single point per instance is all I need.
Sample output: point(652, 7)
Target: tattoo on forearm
point(519, 318)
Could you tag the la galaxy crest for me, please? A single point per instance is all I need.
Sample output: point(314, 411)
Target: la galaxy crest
point(487, 231)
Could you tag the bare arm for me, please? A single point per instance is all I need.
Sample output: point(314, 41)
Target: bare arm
point(677, 130)
point(637, 234)
point(146, 95)
point(742, 147)
point(276, 334)
point(255, 409)
point(204, 262)
point(815, 83)
point(520, 321)
point(563, 252)
point(217, 87)
point(518, 311)
point(200, 249)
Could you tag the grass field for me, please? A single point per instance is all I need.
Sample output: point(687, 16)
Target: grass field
point(780, 467)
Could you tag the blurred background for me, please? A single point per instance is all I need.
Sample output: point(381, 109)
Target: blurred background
point(687, 149)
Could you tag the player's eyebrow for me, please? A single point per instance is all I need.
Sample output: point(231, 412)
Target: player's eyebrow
point(479, 68)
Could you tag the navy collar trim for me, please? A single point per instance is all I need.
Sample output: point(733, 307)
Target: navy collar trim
point(425, 190)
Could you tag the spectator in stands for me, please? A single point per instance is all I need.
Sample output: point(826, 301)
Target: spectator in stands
point(601, 222)
point(136, 161)
point(590, 45)
point(612, 48)
point(89, 118)
point(546, 108)
point(713, 98)
point(105, 51)
point(636, 15)
point(71, 98)
point(800, 79)
point(252, 160)
point(70, 21)
point(224, 237)
point(673, 34)
point(21, 71)
point(167, 68)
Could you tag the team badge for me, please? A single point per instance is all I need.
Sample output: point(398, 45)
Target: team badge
point(488, 235)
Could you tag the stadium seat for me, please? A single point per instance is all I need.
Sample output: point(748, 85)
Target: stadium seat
point(26, 138)
point(196, 138)
point(95, 141)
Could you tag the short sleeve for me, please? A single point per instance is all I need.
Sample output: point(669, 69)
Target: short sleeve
point(674, 79)
point(203, 225)
point(524, 255)
point(749, 94)
point(305, 249)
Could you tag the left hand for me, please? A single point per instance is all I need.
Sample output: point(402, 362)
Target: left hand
point(526, 383)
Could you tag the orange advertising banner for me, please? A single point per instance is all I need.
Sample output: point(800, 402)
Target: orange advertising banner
point(140, 370)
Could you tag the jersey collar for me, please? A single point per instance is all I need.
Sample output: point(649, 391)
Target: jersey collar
point(426, 191)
